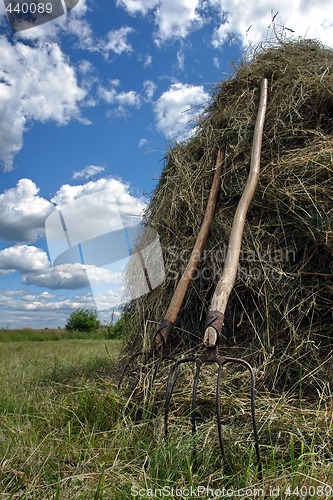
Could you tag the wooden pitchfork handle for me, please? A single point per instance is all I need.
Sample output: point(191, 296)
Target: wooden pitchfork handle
point(167, 324)
point(215, 316)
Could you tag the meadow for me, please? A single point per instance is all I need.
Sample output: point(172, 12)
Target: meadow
point(68, 432)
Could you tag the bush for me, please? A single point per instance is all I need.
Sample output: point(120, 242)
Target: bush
point(83, 320)
point(116, 331)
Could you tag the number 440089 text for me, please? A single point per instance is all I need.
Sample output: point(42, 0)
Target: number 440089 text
point(29, 8)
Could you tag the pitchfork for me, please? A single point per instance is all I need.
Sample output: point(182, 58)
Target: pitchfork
point(215, 317)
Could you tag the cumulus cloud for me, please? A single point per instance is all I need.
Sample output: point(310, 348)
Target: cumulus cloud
point(149, 89)
point(41, 303)
point(106, 188)
point(178, 107)
point(116, 41)
point(216, 62)
point(96, 224)
point(24, 259)
point(18, 308)
point(174, 18)
point(43, 295)
point(71, 276)
point(88, 172)
point(305, 18)
point(23, 212)
point(36, 83)
point(75, 24)
point(142, 142)
point(181, 60)
point(34, 265)
point(247, 21)
point(178, 18)
point(85, 67)
point(111, 96)
point(94, 208)
point(137, 6)
point(120, 101)
point(147, 61)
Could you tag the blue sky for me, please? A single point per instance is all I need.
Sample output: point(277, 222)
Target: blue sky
point(90, 103)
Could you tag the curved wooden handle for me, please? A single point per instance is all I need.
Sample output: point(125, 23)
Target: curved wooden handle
point(226, 283)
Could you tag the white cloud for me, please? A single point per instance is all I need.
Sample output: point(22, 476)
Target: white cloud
point(85, 67)
point(36, 83)
point(115, 82)
point(88, 172)
point(23, 212)
point(120, 100)
point(81, 29)
point(71, 277)
point(237, 17)
point(178, 107)
point(174, 18)
point(24, 259)
point(142, 142)
point(90, 214)
point(74, 24)
point(216, 62)
point(20, 310)
point(107, 189)
point(34, 265)
point(149, 89)
point(130, 98)
point(95, 207)
point(177, 18)
point(116, 41)
point(181, 60)
point(305, 18)
point(137, 6)
point(65, 276)
point(43, 295)
point(148, 61)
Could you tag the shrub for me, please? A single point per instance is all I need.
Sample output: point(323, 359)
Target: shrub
point(83, 320)
point(116, 331)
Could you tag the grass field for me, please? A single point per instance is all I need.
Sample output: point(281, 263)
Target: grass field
point(66, 432)
point(30, 335)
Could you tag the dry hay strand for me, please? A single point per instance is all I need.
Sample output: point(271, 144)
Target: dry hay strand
point(280, 312)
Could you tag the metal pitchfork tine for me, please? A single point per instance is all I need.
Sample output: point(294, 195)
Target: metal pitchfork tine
point(215, 316)
point(166, 326)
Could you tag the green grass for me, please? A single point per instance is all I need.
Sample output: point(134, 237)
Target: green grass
point(67, 432)
point(30, 335)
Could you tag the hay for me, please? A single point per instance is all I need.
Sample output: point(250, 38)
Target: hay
point(280, 311)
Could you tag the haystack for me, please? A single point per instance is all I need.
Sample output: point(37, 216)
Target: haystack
point(280, 313)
